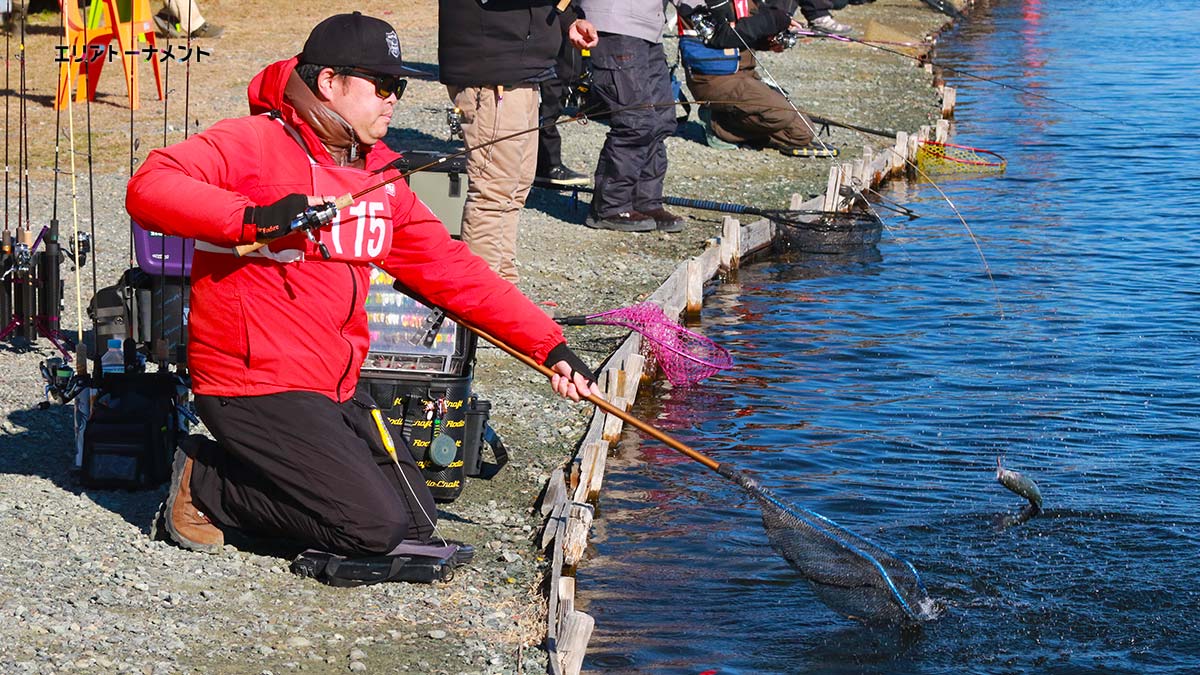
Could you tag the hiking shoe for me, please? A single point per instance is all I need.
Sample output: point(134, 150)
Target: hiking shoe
point(561, 176)
point(827, 24)
point(814, 149)
point(164, 27)
point(625, 221)
point(208, 30)
point(185, 524)
point(664, 220)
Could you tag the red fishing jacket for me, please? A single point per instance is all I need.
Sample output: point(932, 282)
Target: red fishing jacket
point(259, 326)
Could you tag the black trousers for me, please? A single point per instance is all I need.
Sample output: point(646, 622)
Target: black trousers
point(567, 67)
point(300, 466)
point(629, 71)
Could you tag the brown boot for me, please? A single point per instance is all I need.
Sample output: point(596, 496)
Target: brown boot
point(185, 524)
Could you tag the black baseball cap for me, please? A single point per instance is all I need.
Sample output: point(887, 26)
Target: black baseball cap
point(356, 41)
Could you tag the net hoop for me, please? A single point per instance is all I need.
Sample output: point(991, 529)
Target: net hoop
point(937, 155)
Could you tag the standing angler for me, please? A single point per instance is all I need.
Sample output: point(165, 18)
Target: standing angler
point(276, 338)
point(630, 76)
point(492, 57)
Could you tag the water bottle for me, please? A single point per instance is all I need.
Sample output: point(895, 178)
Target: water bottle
point(113, 360)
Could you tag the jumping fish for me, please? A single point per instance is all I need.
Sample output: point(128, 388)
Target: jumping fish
point(1024, 487)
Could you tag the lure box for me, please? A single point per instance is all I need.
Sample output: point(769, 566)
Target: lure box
point(442, 186)
point(163, 290)
point(408, 336)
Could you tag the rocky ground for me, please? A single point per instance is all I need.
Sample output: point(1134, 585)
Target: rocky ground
point(83, 588)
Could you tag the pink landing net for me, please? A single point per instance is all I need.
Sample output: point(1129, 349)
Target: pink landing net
point(685, 357)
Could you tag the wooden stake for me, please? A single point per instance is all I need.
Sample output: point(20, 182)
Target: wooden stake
point(949, 101)
point(694, 290)
point(731, 243)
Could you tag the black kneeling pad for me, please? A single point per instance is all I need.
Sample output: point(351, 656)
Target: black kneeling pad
point(343, 572)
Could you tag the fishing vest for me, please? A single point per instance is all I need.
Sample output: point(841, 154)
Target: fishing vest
point(699, 58)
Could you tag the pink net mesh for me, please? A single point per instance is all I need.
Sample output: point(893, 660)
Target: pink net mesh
point(685, 357)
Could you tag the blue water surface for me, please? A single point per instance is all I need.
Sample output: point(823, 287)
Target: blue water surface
point(879, 388)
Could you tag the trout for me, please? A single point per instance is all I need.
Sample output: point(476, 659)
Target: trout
point(1023, 486)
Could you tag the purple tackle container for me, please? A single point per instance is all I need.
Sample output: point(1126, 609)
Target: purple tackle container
point(160, 254)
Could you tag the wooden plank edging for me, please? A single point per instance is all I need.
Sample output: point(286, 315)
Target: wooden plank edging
point(569, 524)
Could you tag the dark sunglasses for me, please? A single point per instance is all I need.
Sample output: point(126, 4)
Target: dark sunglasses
point(385, 85)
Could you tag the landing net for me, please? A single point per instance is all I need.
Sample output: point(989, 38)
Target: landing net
point(937, 157)
point(685, 357)
point(850, 574)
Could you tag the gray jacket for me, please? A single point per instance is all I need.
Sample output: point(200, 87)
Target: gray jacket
point(638, 18)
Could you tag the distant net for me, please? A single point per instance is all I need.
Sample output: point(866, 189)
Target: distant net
point(850, 574)
point(938, 157)
point(686, 358)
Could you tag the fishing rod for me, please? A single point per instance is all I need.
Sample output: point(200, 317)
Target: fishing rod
point(6, 234)
point(919, 59)
point(787, 217)
point(316, 217)
point(826, 121)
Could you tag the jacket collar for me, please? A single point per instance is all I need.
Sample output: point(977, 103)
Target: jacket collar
point(328, 137)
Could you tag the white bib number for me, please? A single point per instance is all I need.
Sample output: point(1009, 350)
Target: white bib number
point(357, 228)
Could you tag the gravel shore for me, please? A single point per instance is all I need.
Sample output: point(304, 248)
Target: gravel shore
point(84, 589)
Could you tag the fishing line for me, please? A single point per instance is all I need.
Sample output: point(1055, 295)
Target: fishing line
point(965, 73)
point(856, 188)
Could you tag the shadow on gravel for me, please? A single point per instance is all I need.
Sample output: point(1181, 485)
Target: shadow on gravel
point(406, 139)
point(570, 207)
point(41, 443)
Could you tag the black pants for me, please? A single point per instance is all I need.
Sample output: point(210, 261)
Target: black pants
point(629, 71)
point(566, 68)
point(299, 466)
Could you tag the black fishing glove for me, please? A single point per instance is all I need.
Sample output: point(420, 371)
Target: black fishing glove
point(563, 353)
point(273, 220)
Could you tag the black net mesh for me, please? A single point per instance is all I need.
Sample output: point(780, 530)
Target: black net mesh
point(828, 232)
point(850, 574)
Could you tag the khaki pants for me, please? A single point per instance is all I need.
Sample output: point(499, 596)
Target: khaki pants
point(500, 174)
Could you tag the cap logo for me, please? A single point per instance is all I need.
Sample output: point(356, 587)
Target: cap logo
point(393, 43)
